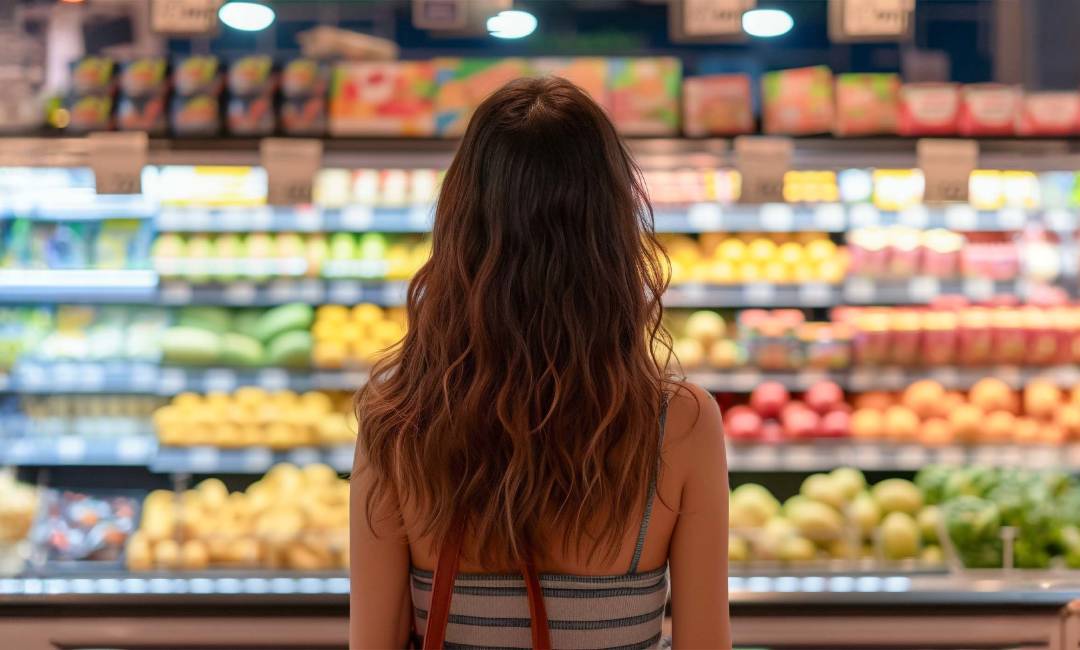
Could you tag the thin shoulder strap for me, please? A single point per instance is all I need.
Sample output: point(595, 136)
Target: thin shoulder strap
point(442, 590)
point(650, 497)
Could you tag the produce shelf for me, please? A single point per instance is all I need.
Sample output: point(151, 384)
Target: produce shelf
point(77, 286)
point(68, 451)
point(77, 204)
point(887, 378)
point(37, 378)
point(407, 219)
point(251, 460)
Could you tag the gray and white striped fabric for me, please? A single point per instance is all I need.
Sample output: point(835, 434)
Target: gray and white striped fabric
point(491, 611)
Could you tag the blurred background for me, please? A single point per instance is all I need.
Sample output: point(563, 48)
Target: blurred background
point(209, 213)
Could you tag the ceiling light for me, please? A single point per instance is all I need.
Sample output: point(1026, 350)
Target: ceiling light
point(246, 16)
point(511, 24)
point(766, 23)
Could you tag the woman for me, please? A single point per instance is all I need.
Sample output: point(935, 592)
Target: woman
point(529, 422)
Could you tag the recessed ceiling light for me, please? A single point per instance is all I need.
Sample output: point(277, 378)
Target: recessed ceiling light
point(513, 23)
point(246, 16)
point(766, 23)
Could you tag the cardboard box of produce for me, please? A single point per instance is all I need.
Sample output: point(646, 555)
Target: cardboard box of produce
point(717, 105)
point(645, 95)
point(867, 104)
point(462, 84)
point(383, 99)
point(798, 101)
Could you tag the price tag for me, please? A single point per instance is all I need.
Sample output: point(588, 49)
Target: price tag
point(864, 215)
point(291, 165)
point(91, 376)
point(172, 381)
point(70, 449)
point(947, 376)
point(117, 160)
point(1012, 218)
point(310, 291)
point(176, 293)
point(302, 456)
point(203, 459)
point(65, 375)
point(257, 459)
point(893, 377)
point(308, 218)
point(1009, 374)
point(341, 458)
point(260, 219)
point(344, 292)
point(777, 217)
point(421, 217)
point(915, 216)
point(186, 17)
point(394, 293)
point(859, 290)
point(1043, 457)
point(1011, 456)
point(239, 293)
point(986, 456)
point(867, 456)
point(761, 457)
point(1072, 456)
point(220, 380)
point(704, 217)
point(744, 381)
point(962, 218)
point(979, 289)
point(272, 379)
point(911, 456)
point(951, 455)
point(133, 449)
point(829, 217)
point(863, 20)
point(234, 220)
point(924, 289)
point(18, 451)
point(946, 166)
point(1060, 220)
point(281, 291)
point(800, 457)
point(356, 218)
point(713, 17)
point(759, 293)
point(815, 294)
point(762, 162)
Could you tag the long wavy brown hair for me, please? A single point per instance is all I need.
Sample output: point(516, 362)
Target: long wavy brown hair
point(525, 397)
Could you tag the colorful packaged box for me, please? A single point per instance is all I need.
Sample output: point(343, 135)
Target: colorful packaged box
point(144, 89)
point(196, 104)
point(93, 87)
point(719, 104)
point(590, 73)
point(989, 109)
point(867, 104)
point(386, 99)
point(645, 95)
point(462, 84)
point(252, 85)
point(797, 101)
point(1049, 113)
point(929, 109)
point(304, 84)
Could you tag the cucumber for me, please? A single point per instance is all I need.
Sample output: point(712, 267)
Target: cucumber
point(294, 316)
point(290, 349)
point(245, 320)
point(240, 350)
point(214, 319)
point(190, 346)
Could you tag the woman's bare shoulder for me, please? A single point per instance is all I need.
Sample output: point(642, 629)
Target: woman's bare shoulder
point(694, 424)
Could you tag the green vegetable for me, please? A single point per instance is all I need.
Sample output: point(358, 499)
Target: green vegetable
point(974, 526)
point(240, 350)
point(214, 319)
point(290, 349)
point(931, 481)
point(294, 316)
point(190, 346)
point(245, 321)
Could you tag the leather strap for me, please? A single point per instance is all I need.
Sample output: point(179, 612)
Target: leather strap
point(442, 590)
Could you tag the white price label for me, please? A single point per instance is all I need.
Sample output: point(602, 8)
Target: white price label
point(777, 217)
point(744, 381)
point(282, 291)
point(947, 376)
point(759, 293)
point(302, 456)
point(257, 459)
point(1011, 375)
point(117, 160)
point(864, 215)
point(260, 218)
point(1012, 218)
point(133, 449)
point(203, 459)
point(341, 458)
point(762, 162)
point(815, 294)
point(951, 455)
point(859, 290)
point(310, 291)
point(308, 218)
point(924, 289)
point(188, 17)
point(986, 456)
point(893, 377)
point(344, 292)
point(946, 166)
point(705, 217)
point(875, 18)
point(239, 293)
point(234, 220)
point(1012, 456)
point(272, 379)
point(356, 218)
point(421, 217)
point(829, 217)
point(911, 456)
point(979, 289)
point(868, 456)
point(961, 217)
point(1060, 220)
point(1072, 456)
point(800, 457)
point(176, 293)
point(394, 293)
point(761, 457)
point(714, 17)
point(291, 165)
point(915, 216)
point(91, 376)
point(172, 381)
point(1043, 457)
point(70, 449)
point(220, 380)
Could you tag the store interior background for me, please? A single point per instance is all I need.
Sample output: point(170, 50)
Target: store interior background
point(900, 377)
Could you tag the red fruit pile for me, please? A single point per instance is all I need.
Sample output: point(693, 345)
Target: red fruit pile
point(772, 415)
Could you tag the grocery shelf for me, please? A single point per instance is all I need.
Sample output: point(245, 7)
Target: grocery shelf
point(760, 294)
point(66, 451)
point(888, 378)
point(249, 460)
point(76, 204)
point(276, 292)
point(921, 290)
point(77, 286)
point(873, 456)
point(41, 378)
point(357, 218)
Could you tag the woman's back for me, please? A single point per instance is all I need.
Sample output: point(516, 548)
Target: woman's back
point(523, 417)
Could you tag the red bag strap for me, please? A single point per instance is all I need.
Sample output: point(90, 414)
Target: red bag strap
point(442, 590)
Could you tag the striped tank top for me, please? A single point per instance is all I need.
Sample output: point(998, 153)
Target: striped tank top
point(614, 612)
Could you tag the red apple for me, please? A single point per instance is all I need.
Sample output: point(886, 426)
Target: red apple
point(843, 407)
point(742, 423)
point(769, 398)
point(800, 422)
point(824, 396)
point(772, 433)
point(836, 424)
